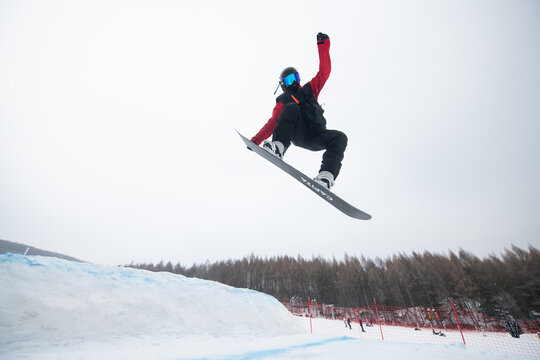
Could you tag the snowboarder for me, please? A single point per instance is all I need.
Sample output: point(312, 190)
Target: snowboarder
point(439, 333)
point(512, 327)
point(297, 117)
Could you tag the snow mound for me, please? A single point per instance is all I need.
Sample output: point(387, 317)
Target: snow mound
point(57, 300)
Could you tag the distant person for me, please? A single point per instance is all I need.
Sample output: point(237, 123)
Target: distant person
point(513, 328)
point(297, 117)
point(361, 326)
point(349, 323)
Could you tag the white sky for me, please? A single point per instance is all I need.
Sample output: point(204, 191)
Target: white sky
point(117, 120)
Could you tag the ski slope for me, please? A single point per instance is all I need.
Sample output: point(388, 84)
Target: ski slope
point(52, 308)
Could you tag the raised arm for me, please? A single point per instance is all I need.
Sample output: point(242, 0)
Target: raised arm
point(325, 65)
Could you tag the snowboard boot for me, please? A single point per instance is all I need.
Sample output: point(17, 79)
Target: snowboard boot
point(275, 148)
point(326, 179)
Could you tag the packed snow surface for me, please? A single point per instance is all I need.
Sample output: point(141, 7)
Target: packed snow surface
point(52, 308)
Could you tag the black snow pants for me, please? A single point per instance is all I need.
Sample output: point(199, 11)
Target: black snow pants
point(292, 126)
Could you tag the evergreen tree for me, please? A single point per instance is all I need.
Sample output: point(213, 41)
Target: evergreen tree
point(497, 285)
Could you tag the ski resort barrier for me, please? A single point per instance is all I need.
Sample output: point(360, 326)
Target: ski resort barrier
point(442, 325)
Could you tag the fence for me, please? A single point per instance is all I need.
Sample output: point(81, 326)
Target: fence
point(445, 324)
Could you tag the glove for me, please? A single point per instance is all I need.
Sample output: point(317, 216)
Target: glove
point(321, 37)
point(253, 141)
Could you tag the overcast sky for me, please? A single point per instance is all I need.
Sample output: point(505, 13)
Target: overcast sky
point(117, 120)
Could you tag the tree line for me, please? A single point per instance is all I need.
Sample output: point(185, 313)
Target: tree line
point(508, 284)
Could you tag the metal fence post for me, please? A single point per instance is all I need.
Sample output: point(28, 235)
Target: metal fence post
point(457, 319)
point(378, 320)
point(309, 311)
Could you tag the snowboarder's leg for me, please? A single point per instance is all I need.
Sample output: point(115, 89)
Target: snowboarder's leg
point(333, 141)
point(335, 144)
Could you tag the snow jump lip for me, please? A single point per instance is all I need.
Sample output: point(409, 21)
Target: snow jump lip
point(326, 195)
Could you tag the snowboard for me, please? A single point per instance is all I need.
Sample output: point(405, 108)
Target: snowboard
point(322, 192)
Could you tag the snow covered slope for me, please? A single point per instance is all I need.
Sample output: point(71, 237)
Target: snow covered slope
point(59, 300)
point(59, 309)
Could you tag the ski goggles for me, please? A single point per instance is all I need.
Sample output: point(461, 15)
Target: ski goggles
point(290, 79)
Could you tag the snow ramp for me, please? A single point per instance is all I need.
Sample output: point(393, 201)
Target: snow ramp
point(58, 300)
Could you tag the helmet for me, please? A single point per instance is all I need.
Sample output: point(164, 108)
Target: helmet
point(289, 79)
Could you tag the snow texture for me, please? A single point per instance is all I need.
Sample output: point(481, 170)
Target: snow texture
point(52, 308)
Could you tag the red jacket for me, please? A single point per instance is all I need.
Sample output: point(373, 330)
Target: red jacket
point(317, 83)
